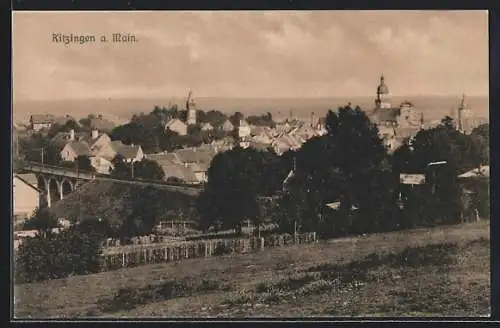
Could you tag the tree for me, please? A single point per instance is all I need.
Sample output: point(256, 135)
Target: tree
point(230, 196)
point(43, 221)
point(31, 149)
point(261, 120)
point(482, 130)
point(236, 118)
point(120, 168)
point(214, 117)
point(442, 198)
point(148, 170)
point(352, 159)
point(83, 163)
point(70, 125)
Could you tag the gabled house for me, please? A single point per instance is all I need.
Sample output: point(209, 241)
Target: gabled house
point(193, 156)
point(128, 152)
point(73, 149)
point(227, 126)
point(101, 165)
point(176, 125)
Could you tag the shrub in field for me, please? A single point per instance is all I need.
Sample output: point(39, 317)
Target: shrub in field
point(57, 256)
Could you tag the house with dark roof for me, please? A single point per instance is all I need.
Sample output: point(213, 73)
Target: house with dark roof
point(39, 122)
point(163, 158)
point(179, 173)
point(129, 152)
point(193, 155)
point(73, 149)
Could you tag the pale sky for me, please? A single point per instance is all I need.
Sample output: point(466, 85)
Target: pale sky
point(251, 54)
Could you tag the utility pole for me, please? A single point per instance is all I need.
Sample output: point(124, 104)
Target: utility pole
point(132, 169)
point(42, 150)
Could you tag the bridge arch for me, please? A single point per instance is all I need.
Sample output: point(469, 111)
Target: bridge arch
point(66, 187)
point(54, 190)
point(42, 185)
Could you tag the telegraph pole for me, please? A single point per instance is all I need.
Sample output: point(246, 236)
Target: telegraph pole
point(42, 151)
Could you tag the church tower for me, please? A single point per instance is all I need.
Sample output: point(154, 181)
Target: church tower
point(463, 114)
point(383, 99)
point(191, 110)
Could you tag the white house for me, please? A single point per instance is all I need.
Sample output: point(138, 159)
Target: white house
point(206, 127)
point(38, 122)
point(227, 126)
point(200, 171)
point(26, 196)
point(101, 165)
point(178, 126)
point(244, 129)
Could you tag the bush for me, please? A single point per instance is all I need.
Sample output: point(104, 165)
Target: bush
point(57, 256)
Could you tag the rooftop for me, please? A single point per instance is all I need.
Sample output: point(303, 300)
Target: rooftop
point(42, 118)
point(80, 148)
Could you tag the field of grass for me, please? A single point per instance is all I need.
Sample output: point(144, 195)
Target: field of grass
point(443, 271)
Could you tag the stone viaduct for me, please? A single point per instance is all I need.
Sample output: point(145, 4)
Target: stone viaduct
point(57, 182)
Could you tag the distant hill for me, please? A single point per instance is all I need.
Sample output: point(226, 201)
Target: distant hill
point(121, 110)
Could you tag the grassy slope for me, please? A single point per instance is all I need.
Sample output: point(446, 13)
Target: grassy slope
point(445, 272)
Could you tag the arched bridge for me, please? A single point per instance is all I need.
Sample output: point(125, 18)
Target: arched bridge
point(57, 182)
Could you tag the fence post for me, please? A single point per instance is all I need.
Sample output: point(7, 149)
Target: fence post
point(261, 243)
point(123, 259)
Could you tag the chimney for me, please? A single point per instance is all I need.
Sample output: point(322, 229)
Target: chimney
point(95, 133)
point(312, 119)
point(72, 135)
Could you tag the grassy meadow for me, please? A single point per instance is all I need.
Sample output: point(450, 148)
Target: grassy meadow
point(443, 271)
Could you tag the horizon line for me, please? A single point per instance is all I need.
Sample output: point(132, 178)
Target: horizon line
point(458, 95)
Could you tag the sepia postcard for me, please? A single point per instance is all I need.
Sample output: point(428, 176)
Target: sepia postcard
point(250, 164)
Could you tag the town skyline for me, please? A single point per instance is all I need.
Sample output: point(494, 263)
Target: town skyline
point(251, 54)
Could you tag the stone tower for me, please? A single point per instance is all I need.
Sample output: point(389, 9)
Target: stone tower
point(383, 98)
point(463, 114)
point(191, 110)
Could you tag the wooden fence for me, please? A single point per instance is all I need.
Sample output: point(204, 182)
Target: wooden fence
point(134, 255)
